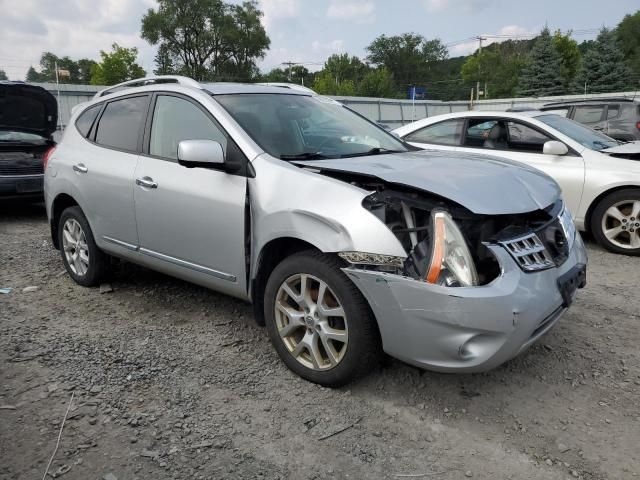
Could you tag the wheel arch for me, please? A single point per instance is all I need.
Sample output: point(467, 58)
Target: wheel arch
point(599, 198)
point(59, 205)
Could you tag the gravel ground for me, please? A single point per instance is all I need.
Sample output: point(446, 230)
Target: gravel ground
point(173, 381)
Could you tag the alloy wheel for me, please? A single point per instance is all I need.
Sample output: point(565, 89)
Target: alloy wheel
point(311, 322)
point(621, 224)
point(76, 250)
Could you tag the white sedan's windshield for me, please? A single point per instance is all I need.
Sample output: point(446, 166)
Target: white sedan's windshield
point(301, 127)
point(578, 132)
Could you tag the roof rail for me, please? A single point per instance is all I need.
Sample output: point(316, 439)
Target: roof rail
point(141, 82)
point(591, 100)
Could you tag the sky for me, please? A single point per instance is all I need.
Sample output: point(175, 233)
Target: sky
point(305, 31)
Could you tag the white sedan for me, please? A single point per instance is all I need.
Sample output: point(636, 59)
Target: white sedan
point(599, 176)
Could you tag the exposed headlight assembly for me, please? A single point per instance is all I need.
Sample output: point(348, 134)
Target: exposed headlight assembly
point(451, 262)
point(363, 258)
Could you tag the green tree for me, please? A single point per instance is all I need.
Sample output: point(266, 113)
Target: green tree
point(628, 34)
point(542, 75)
point(603, 67)
point(32, 75)
point(343, 67)
point(208, 39)
point(406, 57)
point(377, 83)
point(570, 55)
point(116, 66)
point(325, 84)
point(84, 70)
point(497, 68)
point(164, 61)
point(3, 75)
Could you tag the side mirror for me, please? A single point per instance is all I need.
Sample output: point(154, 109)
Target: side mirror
point(200, 153)
point(554, 147)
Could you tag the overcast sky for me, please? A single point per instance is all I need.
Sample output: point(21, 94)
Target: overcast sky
point(300, 30)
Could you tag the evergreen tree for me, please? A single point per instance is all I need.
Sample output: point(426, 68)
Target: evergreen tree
point(542, 76)
point(3, 75)
point(32, 75)
point(603, 66)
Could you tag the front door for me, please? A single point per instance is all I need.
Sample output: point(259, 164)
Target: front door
point(191, 221)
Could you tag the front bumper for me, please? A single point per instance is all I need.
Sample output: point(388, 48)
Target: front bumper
point(21, 186)
point(466, 329)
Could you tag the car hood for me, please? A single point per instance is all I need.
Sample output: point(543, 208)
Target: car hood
point(482, 184)
point(27, 108)
point(629, 147)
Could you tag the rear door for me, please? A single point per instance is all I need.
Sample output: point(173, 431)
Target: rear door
point(104, 173)
point(593, 116)
point(191, 221)
point(445, 135)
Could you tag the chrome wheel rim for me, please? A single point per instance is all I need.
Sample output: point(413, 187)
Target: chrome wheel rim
point(311, 322)
point(621, 224)
point(76, 250)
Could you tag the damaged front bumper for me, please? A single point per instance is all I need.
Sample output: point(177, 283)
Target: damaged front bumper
point(467, 329)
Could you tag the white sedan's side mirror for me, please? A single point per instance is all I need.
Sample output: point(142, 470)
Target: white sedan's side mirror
point(553, 147)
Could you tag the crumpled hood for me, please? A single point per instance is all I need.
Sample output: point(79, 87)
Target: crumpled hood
point(629, 147)
point(27, 108)
point(480, 183)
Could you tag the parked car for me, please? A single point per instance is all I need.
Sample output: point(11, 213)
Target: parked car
point(346, 239)
point(599, 176)
point(28, 118)
point(618, 118)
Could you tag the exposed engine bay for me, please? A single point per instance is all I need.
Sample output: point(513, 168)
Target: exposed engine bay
point(410, 214)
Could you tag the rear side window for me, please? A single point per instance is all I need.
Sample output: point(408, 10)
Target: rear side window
point(448, 132)
point(121, 122)
point(86, 119)
point(612, 111)
point(588, 113)
point(176, 119)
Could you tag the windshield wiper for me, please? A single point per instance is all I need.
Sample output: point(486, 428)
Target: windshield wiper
point(373, 151)
point(304, 156)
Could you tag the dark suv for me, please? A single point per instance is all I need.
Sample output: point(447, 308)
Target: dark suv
point(28, 118)
point(616, 117)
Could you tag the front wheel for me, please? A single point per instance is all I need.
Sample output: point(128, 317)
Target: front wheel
point(318, 321)
point(616, 222)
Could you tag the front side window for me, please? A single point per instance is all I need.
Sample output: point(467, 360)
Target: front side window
point(588, 113)
point(299, 127)
point(121, 123)
point(176, 119)
point(524, 138)
point(448, 132)
point(86, 119)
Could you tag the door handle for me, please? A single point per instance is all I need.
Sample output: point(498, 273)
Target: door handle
point(146, 182)
point(598, 128)
point(80, 168)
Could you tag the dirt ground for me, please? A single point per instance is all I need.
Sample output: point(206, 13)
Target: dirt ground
point(172, 381)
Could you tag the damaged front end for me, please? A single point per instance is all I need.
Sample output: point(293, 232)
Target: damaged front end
point(448, 245)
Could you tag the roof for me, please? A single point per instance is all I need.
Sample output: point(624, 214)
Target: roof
point(588, 101)
point(224, 88)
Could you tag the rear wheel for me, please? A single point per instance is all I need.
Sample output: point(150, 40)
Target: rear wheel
point(616, 222)
point(82, 258)
point(318, 321)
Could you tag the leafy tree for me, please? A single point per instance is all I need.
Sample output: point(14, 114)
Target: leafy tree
point(542, 75)
point(570, 55)
point(164, 61)
point(32, 75)
point(69, 71)
point(343, 67)
point(325, 84)
point(377, 83)
point(116, 66)
point(498, 67)
point(628, 34)
point(406, 56)
point(603, 67)
point(84, 70)
point(208, 39)
point(3, 75)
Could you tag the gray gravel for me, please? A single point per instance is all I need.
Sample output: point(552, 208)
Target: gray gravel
point(173, 381)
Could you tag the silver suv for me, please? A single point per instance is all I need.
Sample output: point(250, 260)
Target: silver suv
point(347, 240)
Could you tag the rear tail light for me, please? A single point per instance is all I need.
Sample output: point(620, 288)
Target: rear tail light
point(638, 125)
point(47, 156)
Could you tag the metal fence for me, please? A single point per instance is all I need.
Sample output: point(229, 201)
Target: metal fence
point(393, 113)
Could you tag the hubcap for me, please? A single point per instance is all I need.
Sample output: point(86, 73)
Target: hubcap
point(311, 322)
point(621, 224)
point(74, 244)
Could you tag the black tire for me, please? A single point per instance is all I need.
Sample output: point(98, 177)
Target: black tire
point(363, 347)
point(632, 226)
point(98, 260)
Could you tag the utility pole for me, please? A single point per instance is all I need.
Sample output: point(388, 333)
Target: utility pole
point(480, 39)
point(290, 64)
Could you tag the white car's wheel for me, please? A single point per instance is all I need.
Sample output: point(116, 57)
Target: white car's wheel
point(616, 222)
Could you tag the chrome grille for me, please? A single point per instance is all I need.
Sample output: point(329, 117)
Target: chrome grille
point(529, 252)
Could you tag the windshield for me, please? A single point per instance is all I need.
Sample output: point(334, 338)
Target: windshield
point(578, 132)
point(297, 127)
point(9, 136)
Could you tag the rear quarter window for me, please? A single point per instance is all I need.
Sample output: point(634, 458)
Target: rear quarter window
point(120, 125)
point(86, 119)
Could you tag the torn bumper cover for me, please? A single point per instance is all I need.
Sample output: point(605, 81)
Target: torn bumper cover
point(469, 329)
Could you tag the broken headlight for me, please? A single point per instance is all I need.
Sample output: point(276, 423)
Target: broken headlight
point(451, 262)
